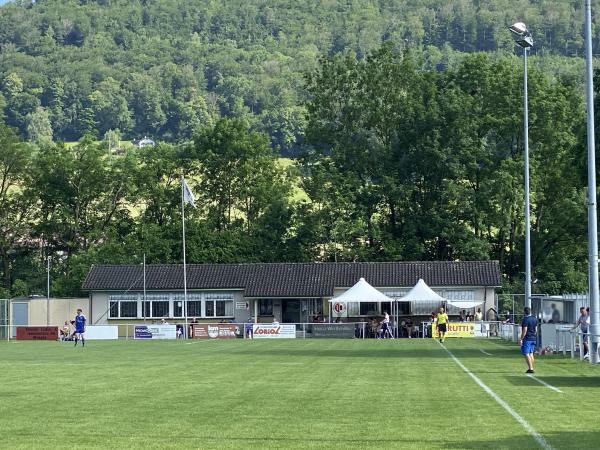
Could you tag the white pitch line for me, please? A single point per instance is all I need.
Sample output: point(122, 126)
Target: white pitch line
point(549, 386)
point(538, 438)
point(483, 351)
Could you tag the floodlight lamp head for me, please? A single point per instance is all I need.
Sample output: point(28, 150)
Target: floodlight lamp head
point(521, 35)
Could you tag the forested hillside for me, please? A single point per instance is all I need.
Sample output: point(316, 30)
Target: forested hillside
point(405, 117)
point(163, 68)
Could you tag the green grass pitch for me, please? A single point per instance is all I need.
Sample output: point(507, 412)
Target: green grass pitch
point(300, 394)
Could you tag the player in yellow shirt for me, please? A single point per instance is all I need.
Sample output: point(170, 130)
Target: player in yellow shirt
point(442, 324)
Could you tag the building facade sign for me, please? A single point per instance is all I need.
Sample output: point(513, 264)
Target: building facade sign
point(339, 309)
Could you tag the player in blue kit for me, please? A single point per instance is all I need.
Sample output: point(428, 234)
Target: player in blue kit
point(79, 323)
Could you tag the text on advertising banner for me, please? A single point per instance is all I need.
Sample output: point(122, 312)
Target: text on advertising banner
point(268, 331)
point(37, 333)
point(457, 329)
point(155, 332)
point(216, 331)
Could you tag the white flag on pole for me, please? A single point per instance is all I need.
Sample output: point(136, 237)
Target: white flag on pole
point(188, 195)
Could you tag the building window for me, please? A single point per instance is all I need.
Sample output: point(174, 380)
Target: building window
point(459, 295)
point(128, 309)
point(265, 307)
point(178, 308)
point(194, 308)
point(114, 310)
point(218, 304)
point(160, 309)
point(369, 308)
point(123, 306)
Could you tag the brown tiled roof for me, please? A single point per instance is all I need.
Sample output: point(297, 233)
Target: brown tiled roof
point(292, 279)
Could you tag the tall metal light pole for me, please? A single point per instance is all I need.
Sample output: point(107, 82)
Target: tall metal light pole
point(592, 215)
point(524, 40)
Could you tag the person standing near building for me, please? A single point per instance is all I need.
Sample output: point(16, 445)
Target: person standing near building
point(528, 338)
point(250, 329)
point(442, 324)
point(385, 326)
point(79, 323)
point(478, 315)
point(583, 323)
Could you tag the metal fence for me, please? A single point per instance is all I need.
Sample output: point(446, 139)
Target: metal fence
point(4, 317)
point(148, 330)
point(571, 342)
point(348, 330)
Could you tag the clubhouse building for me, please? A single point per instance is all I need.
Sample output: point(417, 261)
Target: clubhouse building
point(286, 292)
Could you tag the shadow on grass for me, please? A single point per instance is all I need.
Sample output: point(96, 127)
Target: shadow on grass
point(558, 440)
point(556, 381)
point(381, 353)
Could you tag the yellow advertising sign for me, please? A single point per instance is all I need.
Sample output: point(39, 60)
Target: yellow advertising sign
point(456, 330)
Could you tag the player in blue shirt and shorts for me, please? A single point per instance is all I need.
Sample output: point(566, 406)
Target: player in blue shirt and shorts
point(528, 338)
point(79, 323)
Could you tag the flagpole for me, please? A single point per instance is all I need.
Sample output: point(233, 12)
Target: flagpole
point(144, 301)
point(184, 265)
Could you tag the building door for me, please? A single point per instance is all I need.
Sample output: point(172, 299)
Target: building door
point(20, 316)
point(290, 311)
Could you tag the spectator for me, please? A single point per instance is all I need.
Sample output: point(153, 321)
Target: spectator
point(583, 323)
point(408, 328)
point(478, 315)
point(250, 329)
point(529, 339)
point(463, 316)
point(385, 326)
point(65, 332)
point(555, 314)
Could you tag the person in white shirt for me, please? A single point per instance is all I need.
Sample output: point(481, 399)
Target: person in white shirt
point(385, 326)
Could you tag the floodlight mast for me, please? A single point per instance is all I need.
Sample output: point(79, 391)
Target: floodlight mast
point(524, 40)
point(592, 209)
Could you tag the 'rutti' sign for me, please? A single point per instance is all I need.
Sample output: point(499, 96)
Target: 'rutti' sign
point(457, 329)
point(271, 331)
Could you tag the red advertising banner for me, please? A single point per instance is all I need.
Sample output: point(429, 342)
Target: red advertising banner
point(216, 331)
point(37, 333)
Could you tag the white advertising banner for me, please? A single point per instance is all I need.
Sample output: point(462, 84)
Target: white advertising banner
point(155, 332)
point(339, 309)
point(271, 331)
point(95, 332)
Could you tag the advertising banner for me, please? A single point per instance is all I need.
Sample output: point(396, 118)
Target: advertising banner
point(458, 330)
point(155, 332)
point(103, 332)
point(37, 333)
point(215, 331)
point(333, 330)
point(339, 309)
point(269, 331)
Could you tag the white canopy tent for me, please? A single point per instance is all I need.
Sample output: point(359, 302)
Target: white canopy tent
point(361, 292)
point(421, 292)
point(465, 304)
